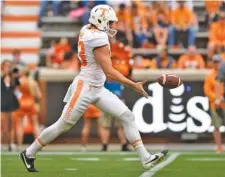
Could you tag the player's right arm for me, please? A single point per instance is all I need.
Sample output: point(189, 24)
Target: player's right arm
point(103, 58)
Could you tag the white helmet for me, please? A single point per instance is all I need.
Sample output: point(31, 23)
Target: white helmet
point(100, 16)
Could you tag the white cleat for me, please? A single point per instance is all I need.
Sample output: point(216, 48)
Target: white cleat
point(149, 164)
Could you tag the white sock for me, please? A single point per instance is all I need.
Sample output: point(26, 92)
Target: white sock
point(133, 135)
point(142, 152)
point(33, 149)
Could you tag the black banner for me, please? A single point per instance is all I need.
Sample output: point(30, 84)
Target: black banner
point(184, 109)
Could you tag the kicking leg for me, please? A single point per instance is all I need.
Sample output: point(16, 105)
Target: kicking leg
point(121, 111)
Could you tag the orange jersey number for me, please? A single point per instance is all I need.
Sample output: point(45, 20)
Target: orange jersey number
point(81, 53)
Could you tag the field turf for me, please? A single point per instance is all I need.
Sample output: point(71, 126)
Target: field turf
point(192, 164)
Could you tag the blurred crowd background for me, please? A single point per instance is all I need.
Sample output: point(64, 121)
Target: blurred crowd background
point(151, 35)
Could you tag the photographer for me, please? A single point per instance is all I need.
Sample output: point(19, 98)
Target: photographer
point(9, 102)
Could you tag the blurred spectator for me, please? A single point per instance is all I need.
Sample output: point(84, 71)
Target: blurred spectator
point(141, 63)
point(117, 3)
point(30, 93)
point(124, 33)
point(54, 56)
point(71, 61)
point(88, 6)
point(191, 59)
point(53, 11)
point(16, 58)
point(91, 113)
point(120, 56)
point(223, 56)
point(161, 20)
point(212, 10)
point(181, 30)
point(9, 101)
point(215, 92)
point(163, 60)
point(188, 3)
point(217, 35)
point(139, 27)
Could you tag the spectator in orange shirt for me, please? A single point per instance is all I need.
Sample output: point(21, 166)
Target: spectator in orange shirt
point(215, 92)
point(161, 20)
point(141, 63)
point(191, 60)
point(120, 57)
point(139, 26)
point(223, 55)
point(124, 33)
point(71, 61)
point(217, 35)
point(163, 60)
point(212, 10)
point(55, 55)
point(181, 19)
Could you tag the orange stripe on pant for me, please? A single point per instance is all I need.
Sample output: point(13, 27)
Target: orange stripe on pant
point(73, 100)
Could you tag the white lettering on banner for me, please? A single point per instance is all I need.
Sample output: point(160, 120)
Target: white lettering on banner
point(179, 123)
point(156, 102)
point(198, 114)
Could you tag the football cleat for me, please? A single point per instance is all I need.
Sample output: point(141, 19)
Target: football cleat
point(28, 162)
point(154, 159)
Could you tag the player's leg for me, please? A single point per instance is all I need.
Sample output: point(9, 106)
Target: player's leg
point(121, 135)
point(73, 110)
point(11, 132)
point(4, 128)
point(85, 132)
point(105, 122)
point(121, 111)
point(18, 116)
point(33, 117)
point(216, 122)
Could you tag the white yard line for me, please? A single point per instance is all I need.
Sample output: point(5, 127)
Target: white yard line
point(158, 167)
point(107, 153)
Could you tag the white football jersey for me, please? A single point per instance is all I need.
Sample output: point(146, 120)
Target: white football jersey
point(91, 72)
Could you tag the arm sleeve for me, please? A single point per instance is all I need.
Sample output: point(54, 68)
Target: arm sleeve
point(98, 40)
point(221, 73)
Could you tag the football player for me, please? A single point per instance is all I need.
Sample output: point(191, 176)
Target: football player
point(88, 88)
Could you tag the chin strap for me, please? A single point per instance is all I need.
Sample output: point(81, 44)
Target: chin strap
point(111, 32)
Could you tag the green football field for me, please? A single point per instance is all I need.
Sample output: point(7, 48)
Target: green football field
point(115, 164)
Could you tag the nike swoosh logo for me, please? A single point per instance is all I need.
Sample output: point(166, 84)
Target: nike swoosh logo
point(24, 159)
point(156, 157)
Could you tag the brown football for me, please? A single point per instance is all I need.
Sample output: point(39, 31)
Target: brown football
point(169, 81)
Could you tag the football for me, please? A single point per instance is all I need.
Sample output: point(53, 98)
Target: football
point(169, 81)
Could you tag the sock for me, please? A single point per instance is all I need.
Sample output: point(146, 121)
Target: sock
point(133, 135)
point(48, 135)
point(142, 152)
